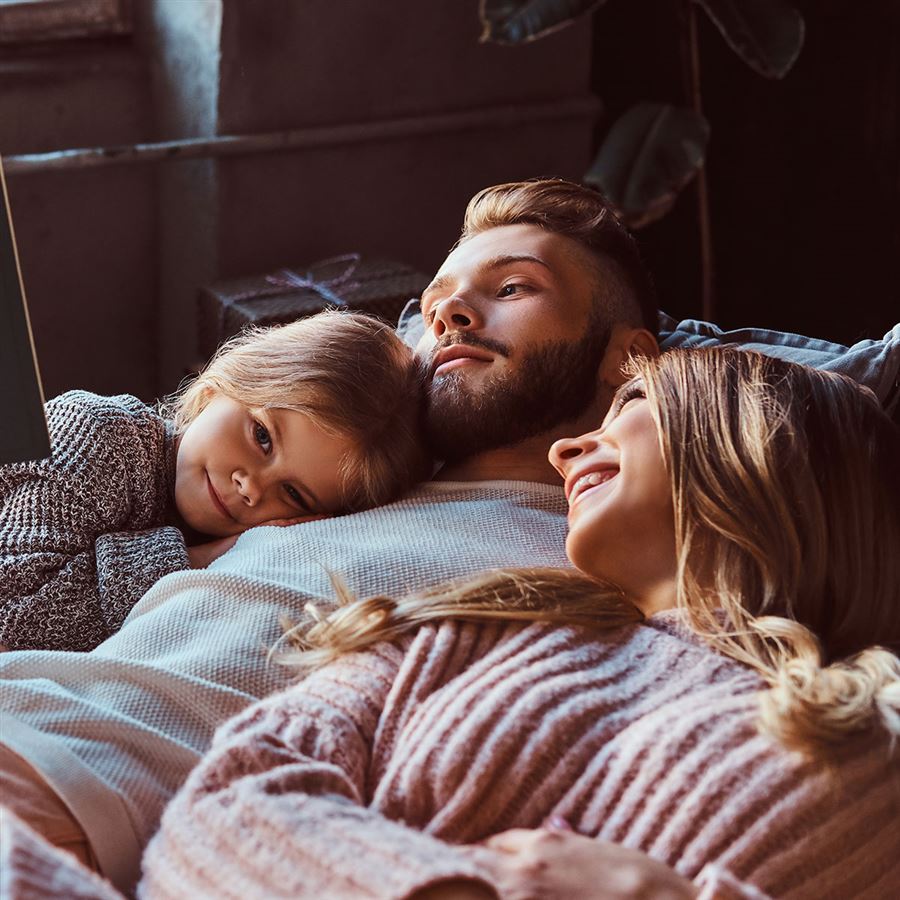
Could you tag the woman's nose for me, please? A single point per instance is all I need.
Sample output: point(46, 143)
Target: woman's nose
point(455, 314)
point(566, 450)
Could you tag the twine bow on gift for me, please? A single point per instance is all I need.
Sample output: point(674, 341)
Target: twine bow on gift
point(288, 279)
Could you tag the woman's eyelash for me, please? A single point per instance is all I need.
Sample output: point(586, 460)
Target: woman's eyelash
point(632, 391)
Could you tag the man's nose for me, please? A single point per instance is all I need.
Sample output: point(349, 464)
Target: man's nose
point(455, 314)
point(566, 450)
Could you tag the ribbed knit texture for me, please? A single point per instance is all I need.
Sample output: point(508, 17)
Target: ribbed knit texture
point(361, 780)
point(31, 869)
point(116, 731)
point(83, 534)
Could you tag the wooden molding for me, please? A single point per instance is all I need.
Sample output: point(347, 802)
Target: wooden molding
point(25, 21)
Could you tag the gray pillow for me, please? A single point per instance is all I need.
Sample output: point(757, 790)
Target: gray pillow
point(876, 364)
point(410, 325)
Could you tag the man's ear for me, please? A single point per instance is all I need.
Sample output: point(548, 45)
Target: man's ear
point(624, 342)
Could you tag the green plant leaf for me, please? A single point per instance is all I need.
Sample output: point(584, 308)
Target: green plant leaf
point(649, 155)
point(518, 21)
point(766, 34)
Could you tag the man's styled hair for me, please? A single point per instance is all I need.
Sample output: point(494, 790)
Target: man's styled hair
point(348, 372)
point(584, 216)
point(786, 498)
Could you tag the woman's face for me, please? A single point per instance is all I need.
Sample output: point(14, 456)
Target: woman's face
point(621, 519)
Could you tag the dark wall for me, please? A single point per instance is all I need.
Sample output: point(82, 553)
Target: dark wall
point(113, 257)
point(86, 238)
point(804, 173)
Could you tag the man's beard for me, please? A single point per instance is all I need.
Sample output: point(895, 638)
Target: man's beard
point(555, 383)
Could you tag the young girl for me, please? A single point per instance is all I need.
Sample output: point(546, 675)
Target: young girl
point(284, 424)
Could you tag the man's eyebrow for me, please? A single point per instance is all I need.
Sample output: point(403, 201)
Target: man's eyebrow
point(495, 262)
point(440, 282)
point(509, 259)
point(273, 425)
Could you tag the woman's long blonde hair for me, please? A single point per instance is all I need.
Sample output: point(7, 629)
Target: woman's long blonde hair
point(786, 490)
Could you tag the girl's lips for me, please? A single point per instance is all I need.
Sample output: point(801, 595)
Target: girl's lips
point(217, 502)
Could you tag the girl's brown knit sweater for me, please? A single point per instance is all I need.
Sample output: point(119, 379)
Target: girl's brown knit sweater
point(85, 533)
point(367, 778)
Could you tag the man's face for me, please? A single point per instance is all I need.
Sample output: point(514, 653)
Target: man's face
point(512, 343)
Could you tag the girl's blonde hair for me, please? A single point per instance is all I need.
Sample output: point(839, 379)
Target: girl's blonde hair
point(786, 491)
point(350, 373)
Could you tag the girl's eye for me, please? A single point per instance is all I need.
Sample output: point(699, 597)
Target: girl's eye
point(297, 497)
point(261, 436)
point(510, 290)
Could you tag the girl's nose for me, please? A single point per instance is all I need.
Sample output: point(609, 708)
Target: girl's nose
point(566, 450)
point(247, 486)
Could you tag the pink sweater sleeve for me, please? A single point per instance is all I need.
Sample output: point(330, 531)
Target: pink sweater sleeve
point(717, 883)
point(278, 806)
point(32, 869)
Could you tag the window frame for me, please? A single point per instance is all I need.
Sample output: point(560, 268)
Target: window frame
point(28, 21)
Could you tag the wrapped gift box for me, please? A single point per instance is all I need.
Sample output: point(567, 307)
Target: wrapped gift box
point(375, 286)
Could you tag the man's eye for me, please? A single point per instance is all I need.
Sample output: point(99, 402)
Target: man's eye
point(261, 436)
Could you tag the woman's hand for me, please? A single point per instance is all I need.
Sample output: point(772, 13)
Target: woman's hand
point(201, 555)
point(295, 520)
point(552, 864)
point(456, 889)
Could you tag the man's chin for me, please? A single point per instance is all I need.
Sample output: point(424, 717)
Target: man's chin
point(556, 383)
point(462, 421)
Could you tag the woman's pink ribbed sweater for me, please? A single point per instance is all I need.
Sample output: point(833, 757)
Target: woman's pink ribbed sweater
point(363, 779)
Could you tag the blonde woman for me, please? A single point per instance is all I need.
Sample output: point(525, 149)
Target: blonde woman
point(708, 708)
point(712, 706)
point(284, 424)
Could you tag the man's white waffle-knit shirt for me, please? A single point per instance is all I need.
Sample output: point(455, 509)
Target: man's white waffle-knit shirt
point(115, 731)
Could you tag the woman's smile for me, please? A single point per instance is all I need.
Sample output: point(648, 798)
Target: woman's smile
point(589, 482)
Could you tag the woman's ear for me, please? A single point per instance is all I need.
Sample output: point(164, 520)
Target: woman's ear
point(625, 342)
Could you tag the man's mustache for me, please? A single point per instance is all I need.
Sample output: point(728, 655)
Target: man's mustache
point(470, 340)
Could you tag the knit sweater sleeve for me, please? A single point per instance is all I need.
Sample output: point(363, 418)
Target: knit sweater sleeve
point(129, 563)
point(32, 869)
point(81, 533)
point(279, 805)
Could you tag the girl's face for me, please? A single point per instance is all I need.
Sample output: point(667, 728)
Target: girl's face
point(237, 468)
point(621, 519)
